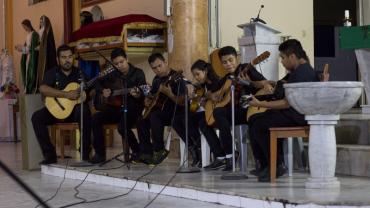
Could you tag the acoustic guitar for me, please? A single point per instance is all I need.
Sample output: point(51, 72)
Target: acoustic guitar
point(116, 97)
point(160, 99)
point(224, 94)
point(196, 101)
point(61, 108)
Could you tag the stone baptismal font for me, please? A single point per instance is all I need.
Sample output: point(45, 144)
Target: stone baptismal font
point(321, 103)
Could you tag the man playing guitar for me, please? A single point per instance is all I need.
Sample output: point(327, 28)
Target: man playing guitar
point(127, 77)
point(55, 80)
point(168, 90)
point(222, 115)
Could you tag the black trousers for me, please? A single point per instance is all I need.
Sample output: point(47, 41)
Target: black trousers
point(211, 137)
point(193, 127)
point(154, 125)
point(259, 134)
point(223, 123)
point(42, 118)
point(111, 116)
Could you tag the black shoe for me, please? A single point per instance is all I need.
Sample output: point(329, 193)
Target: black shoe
point(159, 156)
point(216, 164)
point(135, 158)
point(48, 161)
point(97, 159)
point(258, 169)
point(265, 174)
point(229, 164)
point(280, 170)
point(195, 154)
point(146, 159)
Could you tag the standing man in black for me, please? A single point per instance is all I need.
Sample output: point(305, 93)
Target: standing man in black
point(295, 60)
point(55, 80)
point(173, 92)
point(127, 76)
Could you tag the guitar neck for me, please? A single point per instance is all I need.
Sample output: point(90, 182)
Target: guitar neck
point(121, 91)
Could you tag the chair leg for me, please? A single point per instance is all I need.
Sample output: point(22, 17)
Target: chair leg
point(290, 156)
point(273, 155)
point(60, 140)
point(168, 142)
point(182, 154)
point(206, 152)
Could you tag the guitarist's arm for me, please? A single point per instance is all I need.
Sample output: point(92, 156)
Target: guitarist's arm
point(178, 99)
point(276, 104)
point(48, 91)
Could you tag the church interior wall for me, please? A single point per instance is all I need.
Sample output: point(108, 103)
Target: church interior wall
point(292, 17)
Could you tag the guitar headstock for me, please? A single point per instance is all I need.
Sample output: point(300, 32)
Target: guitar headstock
point(109, 70)
point(145, 89)
point(263, 56)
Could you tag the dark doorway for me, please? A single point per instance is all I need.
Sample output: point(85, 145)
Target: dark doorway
point(328, 18)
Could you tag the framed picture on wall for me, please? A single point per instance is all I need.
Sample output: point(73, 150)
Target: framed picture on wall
point(31, 2)
point(86, 3)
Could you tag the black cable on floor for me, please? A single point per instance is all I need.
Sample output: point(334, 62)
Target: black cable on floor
point(59, 187)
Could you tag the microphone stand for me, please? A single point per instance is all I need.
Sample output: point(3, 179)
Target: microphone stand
point(118, 155)
point(185, 166)
point(82, 163)
point(125, 153)
point(235, 175)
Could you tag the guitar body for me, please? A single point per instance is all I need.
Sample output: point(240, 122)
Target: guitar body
point(61, 108)
point(254, 110)
point(196, 101)
point(158, 103)
point(225, 98)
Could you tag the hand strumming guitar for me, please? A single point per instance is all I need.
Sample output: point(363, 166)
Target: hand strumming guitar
point(106, 92)
point(135, 92)
point(148, 101)
point(73, 94)
point(255, 102)
point(165, 90)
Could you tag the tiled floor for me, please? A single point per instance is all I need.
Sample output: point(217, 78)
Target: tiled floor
point(11, 195)
point(288, 191)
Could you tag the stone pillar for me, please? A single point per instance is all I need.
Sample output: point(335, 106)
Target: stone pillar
point(322, 151)
point(76, 10)
point(189, 26)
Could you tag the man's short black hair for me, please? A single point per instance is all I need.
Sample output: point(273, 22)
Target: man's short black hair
point(118, 52)
point(293, 46)
point(154, 57)
point(62, 48)
point(227, 50)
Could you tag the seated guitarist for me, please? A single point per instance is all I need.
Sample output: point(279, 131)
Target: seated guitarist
point(127, 76)
point(295, 60)
point(55, 80)
point(171, 91)
point(208, 82)
point(222, 115)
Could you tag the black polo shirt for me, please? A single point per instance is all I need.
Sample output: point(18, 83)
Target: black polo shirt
point(253, 74)
point(116, 80)
point(177, 87)
point(55, 78)
point(303, 73)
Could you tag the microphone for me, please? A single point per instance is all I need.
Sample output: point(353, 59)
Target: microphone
point(257, 19)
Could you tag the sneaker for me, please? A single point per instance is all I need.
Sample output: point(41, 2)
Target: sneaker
point(97, 159)
point(48, 161)
point(228, 164)
point(265, 174)
point(216, 164)
point(159, 156)
point(135, 158)
point(146, 159)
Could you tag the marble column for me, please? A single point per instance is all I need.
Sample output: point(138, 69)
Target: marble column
point(189, 27)
point(322, 151)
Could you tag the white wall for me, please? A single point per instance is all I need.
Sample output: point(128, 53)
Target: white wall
point(291, 17)
point(366, 11)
